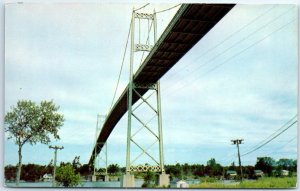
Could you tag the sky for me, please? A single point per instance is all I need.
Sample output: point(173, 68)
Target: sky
point(238, 81)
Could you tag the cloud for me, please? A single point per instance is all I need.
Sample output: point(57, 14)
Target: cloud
point(69, 53)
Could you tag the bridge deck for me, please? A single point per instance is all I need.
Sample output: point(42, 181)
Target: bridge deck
point(189, 25)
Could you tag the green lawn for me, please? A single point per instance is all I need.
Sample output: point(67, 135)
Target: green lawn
point(266, 182)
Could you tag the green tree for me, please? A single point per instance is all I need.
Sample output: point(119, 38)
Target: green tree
point(214, 168)
point(66, 176)
point(32, 123)
point(113, 168)
point(85, 169)
point(198, 170)
point(76, 164)
point(286, 164)
point(149, 177)
point(10, 172)
point(175, 171)
point(265, 164)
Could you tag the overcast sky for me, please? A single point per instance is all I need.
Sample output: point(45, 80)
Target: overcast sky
point(239, 81)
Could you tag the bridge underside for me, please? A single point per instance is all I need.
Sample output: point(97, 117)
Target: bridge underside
point(189, 25)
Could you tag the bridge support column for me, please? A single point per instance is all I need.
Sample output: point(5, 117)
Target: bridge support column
point(94, 178)
point(164, 180)
point(136, 89)
point(127, 181)
point(106, 178)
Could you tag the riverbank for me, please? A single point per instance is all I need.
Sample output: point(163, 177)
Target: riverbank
point(266, 182)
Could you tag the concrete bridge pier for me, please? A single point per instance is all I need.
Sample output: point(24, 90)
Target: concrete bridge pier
point(106, 178)
point(164, 180)
point(127, 181)
point(94, 178)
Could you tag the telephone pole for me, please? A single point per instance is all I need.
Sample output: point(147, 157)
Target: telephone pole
point(237, 142)
point(54, 165)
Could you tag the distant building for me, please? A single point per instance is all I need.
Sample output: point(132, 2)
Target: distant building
point(258, 173)
point(284, 172)
point(47, 177)
point(182, 184)
point(231, 173)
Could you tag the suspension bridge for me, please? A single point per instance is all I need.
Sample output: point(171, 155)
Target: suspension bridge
point(191, 23)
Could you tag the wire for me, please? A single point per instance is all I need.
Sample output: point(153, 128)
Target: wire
point(276, 150)
point(288, 122)
point(235, 55)
point(254, 32)
point(119, 76)
point(168, 8)
point(227, 38)
point(141, 7)
point(270, 139)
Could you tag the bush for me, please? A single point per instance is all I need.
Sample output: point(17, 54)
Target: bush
point(65, 175)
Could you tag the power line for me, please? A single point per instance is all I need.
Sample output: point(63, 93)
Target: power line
point(270, 139)
point(276, 150)
point(230, 58)
point(141, 7)
point(168, 8)
point(228, 37)
point(119, 76)
point(254, 32)
point(270, 136)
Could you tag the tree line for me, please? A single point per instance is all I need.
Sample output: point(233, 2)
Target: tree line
point(32, 123)
point(270, 167)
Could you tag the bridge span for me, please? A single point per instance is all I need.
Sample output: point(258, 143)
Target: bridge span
point(188, 26)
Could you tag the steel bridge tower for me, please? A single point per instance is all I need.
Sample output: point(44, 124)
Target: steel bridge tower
point(133, 90)
point(100, 120)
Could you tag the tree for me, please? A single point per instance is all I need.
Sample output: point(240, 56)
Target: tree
point(265, 164)
point(285, 164)
point(85, 170)
point(66, 176)
point(174, 171)
point(76, 164)
point(214, 168)
point(32, 123)
point(10, 172)
point(198, 170)
point(149, 177)
point(113, 168)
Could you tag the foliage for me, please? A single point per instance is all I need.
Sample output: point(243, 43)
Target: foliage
point(214, 168)
point(29, 173)
point(28, 122)
point(149, 178)
point(174, 171)
point(10, 172)
point(285, 164)
point(32, 123)
point(178, 171)
point(267, 182)
point(76, 164)
point(207, 179)
point(66, 176)
point(113, 168)
point(85, 170)
point(265, 164)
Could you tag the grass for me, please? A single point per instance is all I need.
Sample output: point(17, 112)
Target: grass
point(266, 182)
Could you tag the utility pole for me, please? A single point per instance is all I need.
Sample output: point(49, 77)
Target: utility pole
point(54, 165)
point(237, 142)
